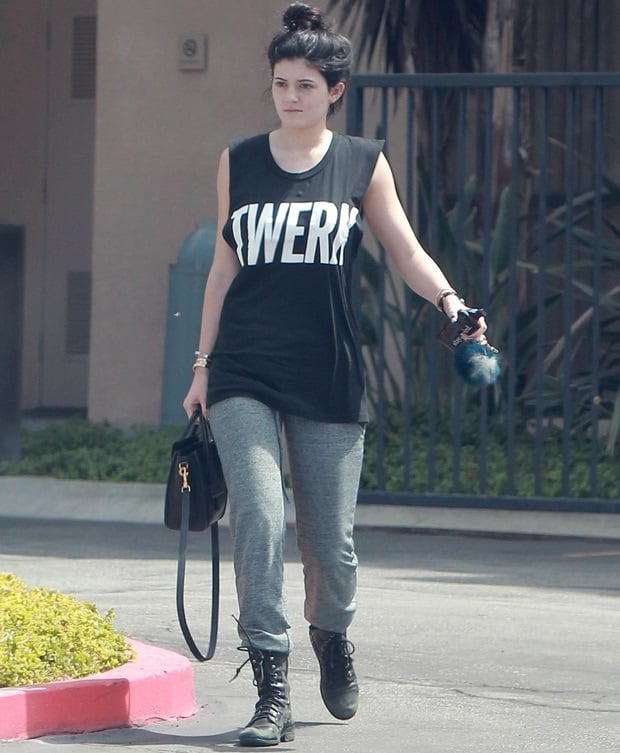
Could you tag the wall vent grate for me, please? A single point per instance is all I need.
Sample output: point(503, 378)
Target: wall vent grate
point(77, 323)
point(84, 57)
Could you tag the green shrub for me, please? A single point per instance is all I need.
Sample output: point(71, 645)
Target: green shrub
point(79, 449)
point(468, 477)
point(46, 636)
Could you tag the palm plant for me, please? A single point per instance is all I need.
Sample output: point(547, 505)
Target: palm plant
point(381, 318)
point(424, 36)
point(448, 36)
point(417, 35)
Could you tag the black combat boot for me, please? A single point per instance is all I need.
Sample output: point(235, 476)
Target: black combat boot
point(339, 689)
point(272, 721)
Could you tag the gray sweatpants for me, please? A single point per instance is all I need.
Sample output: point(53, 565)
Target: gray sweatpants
point(325, 462)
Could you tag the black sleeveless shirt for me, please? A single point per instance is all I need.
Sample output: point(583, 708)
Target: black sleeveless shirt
point(287, 333)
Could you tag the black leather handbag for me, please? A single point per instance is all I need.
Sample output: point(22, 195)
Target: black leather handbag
point(196, 497)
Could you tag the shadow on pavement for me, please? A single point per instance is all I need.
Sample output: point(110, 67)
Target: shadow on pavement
point(145, 737)
point(408, 557)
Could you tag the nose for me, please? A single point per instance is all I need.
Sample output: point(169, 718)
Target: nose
point(292, 94)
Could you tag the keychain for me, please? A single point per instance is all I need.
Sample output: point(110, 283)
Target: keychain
point(476, 361)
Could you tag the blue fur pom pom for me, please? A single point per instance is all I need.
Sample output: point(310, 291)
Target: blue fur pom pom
point(478, 364)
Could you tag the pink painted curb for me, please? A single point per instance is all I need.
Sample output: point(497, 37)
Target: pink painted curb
point(156, 686)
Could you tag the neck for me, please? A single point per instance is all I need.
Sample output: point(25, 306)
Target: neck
point(302, 138)
point(298, 149)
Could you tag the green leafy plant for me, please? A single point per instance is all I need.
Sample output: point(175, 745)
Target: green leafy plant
point(383, 318)
point(538, 379)
point(46, 636)
point(77, 448)
point(468, 475)
point(149, 461)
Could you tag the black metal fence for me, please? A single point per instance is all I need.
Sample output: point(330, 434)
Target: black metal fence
point(512, 182)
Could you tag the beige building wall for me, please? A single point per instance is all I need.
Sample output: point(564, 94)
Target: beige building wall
point(22, 156)
point(159, 134)
point(46, 147)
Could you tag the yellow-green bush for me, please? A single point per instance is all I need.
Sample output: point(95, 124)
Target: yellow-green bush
point(45, 636)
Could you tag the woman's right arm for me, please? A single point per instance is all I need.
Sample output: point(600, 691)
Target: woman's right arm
point(224, 269)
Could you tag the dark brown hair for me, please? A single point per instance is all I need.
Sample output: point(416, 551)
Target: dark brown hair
point(306, 34)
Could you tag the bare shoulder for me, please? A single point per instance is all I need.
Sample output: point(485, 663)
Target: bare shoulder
point(382, 171)
point(381, 187)
point(224, 160)
point(223, 170)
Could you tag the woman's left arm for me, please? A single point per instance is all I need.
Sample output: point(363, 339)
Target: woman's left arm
point(390, 226)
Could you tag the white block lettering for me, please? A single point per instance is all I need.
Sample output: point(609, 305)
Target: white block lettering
point(264, 233)
point(293, 231)
point(348, 218)
point(236, 229)
point(261, 237)
point(322, 221)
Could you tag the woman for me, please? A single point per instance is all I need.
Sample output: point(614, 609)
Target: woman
point(279, 348)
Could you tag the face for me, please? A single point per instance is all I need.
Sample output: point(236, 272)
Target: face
point(301, 95)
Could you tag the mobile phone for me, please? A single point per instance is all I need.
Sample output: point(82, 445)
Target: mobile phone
point(455, 333)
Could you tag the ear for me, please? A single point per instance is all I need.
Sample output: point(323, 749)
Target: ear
point(336, 92)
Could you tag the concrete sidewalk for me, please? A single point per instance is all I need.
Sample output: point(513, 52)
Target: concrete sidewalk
point(497, 633)
point(45, 498)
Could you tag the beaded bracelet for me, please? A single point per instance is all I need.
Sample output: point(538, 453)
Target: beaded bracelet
point(444, 294)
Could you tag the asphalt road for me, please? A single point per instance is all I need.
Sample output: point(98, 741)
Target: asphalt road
point(464, 643)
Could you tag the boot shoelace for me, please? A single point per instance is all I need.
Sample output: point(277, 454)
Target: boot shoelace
point(243, 648)
point(340, 651)
point(270, 706)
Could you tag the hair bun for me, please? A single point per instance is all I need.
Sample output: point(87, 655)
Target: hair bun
point(302, 17)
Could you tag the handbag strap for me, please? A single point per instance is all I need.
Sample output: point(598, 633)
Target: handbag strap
point(215, 582)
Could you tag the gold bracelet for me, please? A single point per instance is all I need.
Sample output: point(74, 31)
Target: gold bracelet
point(202, 361)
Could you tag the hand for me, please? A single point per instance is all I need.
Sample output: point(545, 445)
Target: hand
point(478, 334)
point(452, 304)
point(197, 394)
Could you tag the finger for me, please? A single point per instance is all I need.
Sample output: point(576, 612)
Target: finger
point(451, 310)
point(189, 406)
point(478, 333)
